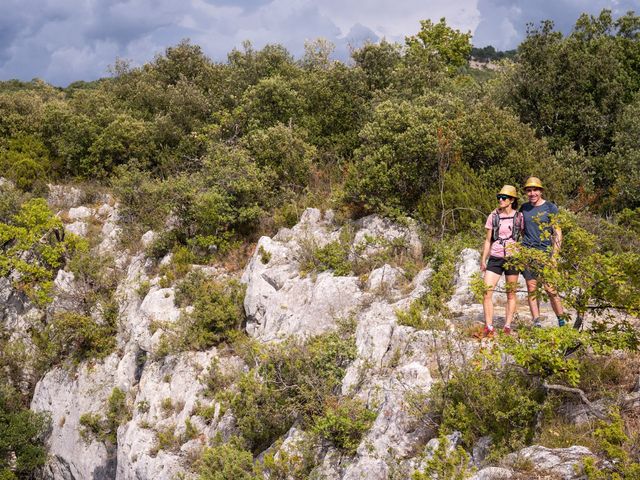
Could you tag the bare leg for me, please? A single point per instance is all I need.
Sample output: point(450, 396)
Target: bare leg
point(534, 303)
point(554, 300)
point(511, 299)
point(490, 280)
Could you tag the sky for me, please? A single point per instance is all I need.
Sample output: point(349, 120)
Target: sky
point(61, 41)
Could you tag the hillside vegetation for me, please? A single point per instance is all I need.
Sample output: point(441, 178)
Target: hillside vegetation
point(211, 156)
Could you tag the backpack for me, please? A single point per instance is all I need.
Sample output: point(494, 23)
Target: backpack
point(516, 231)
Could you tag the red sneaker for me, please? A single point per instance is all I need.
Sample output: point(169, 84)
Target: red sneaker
point(507, 330)
point(488, 331)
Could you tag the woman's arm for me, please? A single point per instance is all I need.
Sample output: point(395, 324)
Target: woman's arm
point(485, 250)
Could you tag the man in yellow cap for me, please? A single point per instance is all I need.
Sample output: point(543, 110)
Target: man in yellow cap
point(536, 221)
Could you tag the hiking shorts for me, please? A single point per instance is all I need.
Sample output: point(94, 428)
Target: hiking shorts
point(496, 265)
point(530, 274)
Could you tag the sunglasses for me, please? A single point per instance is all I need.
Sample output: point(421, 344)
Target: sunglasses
point(503, 197)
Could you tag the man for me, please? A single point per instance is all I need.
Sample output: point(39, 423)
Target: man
point(536, 229)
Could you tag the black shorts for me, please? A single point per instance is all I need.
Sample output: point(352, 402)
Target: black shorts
point(496, 265)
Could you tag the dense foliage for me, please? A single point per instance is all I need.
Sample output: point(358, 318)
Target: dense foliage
point(213, 154)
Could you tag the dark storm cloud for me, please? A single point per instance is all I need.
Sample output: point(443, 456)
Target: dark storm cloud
point(503, 23)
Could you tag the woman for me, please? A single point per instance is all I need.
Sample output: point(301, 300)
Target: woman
point(504, 227)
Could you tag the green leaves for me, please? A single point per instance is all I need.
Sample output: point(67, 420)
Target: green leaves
point(437, 45)
point(33, 247)
point(21, 447)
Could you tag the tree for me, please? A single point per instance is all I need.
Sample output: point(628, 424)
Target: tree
point(573, 89)
point(283, 150)
point(439, 44)
point(378, 60)
point(397, 160)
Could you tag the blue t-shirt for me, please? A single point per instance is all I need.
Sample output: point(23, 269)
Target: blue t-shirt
point(536, 221)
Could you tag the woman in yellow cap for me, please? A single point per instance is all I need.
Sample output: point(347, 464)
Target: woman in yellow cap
point(504, 227)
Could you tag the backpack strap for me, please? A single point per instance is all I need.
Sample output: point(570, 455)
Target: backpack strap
point(518, 223)
point(495, 226)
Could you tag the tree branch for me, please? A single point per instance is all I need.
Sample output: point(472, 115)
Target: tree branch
point(577, 391)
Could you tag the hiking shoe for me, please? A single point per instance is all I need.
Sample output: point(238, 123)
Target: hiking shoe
point(507, 330)
point(537, 322)
point(563, 320)
point(488, 331)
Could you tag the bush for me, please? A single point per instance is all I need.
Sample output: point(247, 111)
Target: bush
point(292, 382)
point(398, 158)
point(427, 311)
point(25, 162)
point(344, 423)
point(285, 151)
point(22, 450)
point(94, 426)
point(488, 399)
point(75, 337)
point(445, 463)
point(34, 247)
point(228, 460)
point(217, 312)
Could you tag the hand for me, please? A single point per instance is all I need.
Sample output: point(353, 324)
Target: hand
point(483, 266)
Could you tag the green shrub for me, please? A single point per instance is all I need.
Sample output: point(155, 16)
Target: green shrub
point(619, 450)
point(291, 383)
point(445, 463)
point(228, 460)
point(76, 337)
point(104, 428)
point(217, 312)
point(344, 423)
point(25, 162)
point(285, 151)
point(398, 157)
point(333, 256)
point(488, 399)
point(166, 440)
point(427, 312)
point(33, 247)
point(96, 279)
point(11, 199)
point(22, 450)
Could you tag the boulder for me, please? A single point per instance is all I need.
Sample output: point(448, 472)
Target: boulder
point(493, 473)
point(79, 228)
point(562, 462)
point(79, 213)
point(64, 196)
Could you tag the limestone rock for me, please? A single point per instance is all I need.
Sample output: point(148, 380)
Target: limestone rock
point(66, 396)
point(493, 473)
point(79, 228)
point(279, 302)
point(562, 462)
point(148, 238)
point(64, 196)
point(462, 301)
point(375, 227)
point(166, 399)
point(79, 213)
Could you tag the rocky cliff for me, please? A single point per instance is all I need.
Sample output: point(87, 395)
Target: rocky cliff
point(162, 431)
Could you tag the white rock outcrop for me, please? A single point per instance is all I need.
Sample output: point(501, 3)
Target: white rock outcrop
point(165, 396)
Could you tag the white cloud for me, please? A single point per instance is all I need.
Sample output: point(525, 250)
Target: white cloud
point(66, 40)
